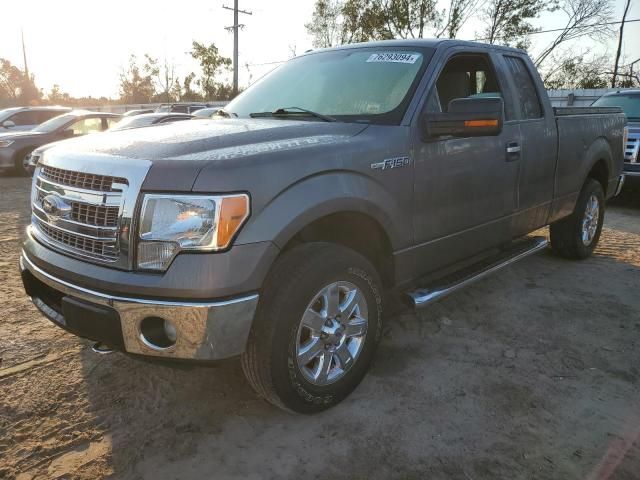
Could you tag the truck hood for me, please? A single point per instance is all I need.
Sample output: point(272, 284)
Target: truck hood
point(179, 151)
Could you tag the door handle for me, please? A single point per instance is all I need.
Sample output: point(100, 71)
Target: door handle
point(513, 151)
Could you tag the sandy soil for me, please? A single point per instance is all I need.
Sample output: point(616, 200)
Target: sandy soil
point(532, 373)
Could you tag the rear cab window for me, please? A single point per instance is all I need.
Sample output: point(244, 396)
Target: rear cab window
point(529, 100)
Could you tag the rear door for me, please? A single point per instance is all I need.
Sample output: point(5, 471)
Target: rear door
point(465, 188)
point(538, 147)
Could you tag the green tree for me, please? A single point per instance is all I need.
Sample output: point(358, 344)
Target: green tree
point(15, 87)
point(188, 94)
point(57, 97)
point(336, 22)
point(136, 83)
point(164, 78)
point(212, 64)
point(508, 22)
point(577, 71)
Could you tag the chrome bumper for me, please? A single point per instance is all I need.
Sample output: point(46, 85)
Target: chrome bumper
point(204, 330)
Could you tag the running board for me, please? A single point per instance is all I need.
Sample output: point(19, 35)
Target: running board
point(445, 286)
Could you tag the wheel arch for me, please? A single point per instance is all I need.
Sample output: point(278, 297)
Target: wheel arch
point(597, 164)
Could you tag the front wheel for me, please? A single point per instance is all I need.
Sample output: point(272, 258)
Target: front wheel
point(316, 329)
point(577, 235)
point(22, 163)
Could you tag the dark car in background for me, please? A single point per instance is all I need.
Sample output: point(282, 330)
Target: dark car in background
point(139, 111)
point(15, 148)
point(629, 101)
point(19, 119)
point(149, 119)
point(182, 107)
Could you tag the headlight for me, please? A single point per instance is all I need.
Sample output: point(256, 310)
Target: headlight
point(5, 143)
point(173, 223)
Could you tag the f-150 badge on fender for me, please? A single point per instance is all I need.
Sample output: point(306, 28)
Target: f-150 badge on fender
point(390, 163)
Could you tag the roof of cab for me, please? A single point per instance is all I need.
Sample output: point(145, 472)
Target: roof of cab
point(417, 43)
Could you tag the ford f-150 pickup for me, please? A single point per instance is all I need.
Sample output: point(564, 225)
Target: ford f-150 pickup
point(275, 231)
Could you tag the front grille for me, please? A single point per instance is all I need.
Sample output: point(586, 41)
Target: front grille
point(87, 181)
point(99, 249)
point(631, 150)
point(83, 216)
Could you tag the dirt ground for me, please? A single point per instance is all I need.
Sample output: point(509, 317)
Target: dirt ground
point(533, 373)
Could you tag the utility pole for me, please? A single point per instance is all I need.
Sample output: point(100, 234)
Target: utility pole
point(235, 27)
point(24, 56)
point(615, 67)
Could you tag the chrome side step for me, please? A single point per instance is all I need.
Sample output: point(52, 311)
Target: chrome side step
point(425, 296)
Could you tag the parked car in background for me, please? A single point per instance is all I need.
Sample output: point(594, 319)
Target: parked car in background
point(19, 119)
point(629, 101)
point(182, 107)
point(149, 119)
point(133, 113)
point(15, 148)
point(210, 112)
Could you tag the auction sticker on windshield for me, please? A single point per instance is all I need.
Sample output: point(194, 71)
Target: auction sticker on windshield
point(393, 57)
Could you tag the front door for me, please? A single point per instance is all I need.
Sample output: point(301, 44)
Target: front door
point(465, 189)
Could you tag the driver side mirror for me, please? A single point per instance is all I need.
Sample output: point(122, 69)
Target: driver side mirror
point(67, 133)
point(8, 124)
point(466, 117)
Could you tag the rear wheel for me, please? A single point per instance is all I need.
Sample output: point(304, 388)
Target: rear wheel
point(316, 329)
point(577, 235)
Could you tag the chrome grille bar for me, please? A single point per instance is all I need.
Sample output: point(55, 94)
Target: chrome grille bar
point(87, 181)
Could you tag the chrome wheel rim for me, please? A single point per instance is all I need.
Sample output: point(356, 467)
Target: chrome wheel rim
point(25, 162)
point(331, 333)
point(590, 220)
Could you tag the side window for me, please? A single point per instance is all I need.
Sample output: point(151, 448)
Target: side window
point(86, 125)
point(464, 76)
point(529, 100)
point(25, 118)
point(45, 115)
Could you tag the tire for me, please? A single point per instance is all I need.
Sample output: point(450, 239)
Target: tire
point(20, 167)
point(279, 337)
point(576, 236)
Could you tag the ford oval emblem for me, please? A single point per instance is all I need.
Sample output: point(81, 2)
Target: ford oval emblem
point(55, 207)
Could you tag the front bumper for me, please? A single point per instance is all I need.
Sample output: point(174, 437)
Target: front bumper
point(204, 330)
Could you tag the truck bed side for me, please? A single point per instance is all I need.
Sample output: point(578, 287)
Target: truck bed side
point(589, 144)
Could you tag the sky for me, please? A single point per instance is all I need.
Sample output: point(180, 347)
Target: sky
point(84, 45)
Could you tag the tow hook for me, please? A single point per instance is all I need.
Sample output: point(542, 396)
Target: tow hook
point(101, 349)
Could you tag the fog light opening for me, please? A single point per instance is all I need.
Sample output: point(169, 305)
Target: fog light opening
point(158, 333)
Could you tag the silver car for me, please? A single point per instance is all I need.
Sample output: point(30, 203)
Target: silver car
point(19, 119)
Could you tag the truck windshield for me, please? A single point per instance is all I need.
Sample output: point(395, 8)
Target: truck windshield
point(629, 103)
point(361, 84)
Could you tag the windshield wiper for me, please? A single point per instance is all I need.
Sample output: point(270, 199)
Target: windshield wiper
point(293, 111)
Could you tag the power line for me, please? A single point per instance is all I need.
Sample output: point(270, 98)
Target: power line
point(536, 32)
point(484, 39)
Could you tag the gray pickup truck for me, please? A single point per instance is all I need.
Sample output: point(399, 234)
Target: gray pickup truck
point(346, 176)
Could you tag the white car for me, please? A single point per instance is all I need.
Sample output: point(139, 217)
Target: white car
point(18, 119)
